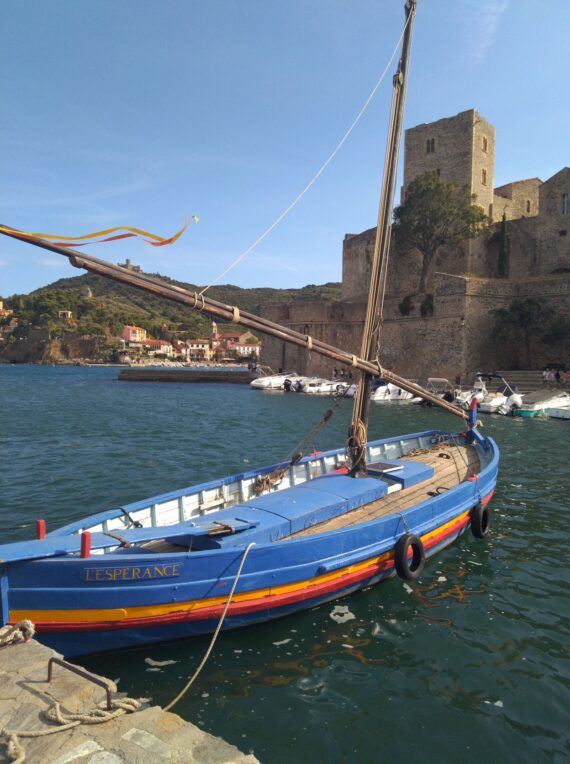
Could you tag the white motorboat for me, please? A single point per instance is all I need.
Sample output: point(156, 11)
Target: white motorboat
point(537, 403)
point(500, 401)
point(301, 384)
point(390, 392)
point(442, 388)
point(556, 413)
point(331, 387)
point(272, 381)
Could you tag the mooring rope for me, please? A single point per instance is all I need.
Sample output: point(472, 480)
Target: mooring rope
point(18, 632)
point(208, 652)
point(65, 721)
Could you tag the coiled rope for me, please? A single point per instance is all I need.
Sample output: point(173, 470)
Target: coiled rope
point(18, 632)
point(14, 749)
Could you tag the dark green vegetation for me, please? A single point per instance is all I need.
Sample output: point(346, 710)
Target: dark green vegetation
point(527, 320)
point(435, 215)
point(101, 307)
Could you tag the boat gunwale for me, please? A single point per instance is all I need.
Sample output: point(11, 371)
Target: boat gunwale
point(115, 512)
point(425, 526)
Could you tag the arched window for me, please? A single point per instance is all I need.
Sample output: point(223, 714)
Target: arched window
point(484, 144)
point(430, 146)
point(528, 206)
point(564, 205)
point(484, 177)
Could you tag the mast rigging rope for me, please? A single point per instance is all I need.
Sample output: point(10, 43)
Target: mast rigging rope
point(315, 177)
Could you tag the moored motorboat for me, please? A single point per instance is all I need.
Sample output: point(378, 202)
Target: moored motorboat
point(273, 381)
point(558, 413)
point(537, 403)
point(389, 392)
point(501, 400)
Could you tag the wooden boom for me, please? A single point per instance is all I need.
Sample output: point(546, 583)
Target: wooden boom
point(230, 313)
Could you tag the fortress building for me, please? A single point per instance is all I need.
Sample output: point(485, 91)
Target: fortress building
point(456, 336)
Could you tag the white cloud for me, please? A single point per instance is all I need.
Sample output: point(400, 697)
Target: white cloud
point(482, 19)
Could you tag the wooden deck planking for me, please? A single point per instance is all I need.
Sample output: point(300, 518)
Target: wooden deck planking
point(463, 462)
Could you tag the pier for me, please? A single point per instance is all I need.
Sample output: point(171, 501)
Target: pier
point(41, 697)
point(186, 375)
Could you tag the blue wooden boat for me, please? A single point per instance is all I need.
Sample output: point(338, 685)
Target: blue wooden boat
point(163, 568)
point(262, 544)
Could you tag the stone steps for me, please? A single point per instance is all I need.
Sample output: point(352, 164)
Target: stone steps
point(525, 381)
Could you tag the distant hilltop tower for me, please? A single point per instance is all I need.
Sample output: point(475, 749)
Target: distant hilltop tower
point(459, 149)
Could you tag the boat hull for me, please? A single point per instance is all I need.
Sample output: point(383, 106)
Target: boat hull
point(124, 599)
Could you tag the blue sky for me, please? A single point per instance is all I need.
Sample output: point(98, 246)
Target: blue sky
point(139, 112)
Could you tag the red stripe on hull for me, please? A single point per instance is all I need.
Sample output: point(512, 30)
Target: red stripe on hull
point(267, 602)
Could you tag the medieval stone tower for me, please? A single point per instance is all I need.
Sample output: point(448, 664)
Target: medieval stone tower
point(457, 334)
point(459, 149)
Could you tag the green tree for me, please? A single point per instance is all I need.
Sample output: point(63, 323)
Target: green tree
point(557, 331)
point(522, 321)
point(436, 215)
point(503, 247)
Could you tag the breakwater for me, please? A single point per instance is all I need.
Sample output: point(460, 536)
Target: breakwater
point(199, 376)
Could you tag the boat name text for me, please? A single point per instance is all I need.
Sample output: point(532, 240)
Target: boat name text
point(131, 574)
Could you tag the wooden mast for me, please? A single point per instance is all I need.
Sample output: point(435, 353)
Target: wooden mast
point(357, 434)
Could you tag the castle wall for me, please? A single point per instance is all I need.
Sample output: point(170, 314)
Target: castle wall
point(553, 226)
point(517, 200)
point(459, 338)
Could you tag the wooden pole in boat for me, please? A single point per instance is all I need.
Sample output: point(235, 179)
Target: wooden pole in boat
point(228, 313)
point(358, 430)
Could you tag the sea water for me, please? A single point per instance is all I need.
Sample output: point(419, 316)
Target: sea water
point(469, 664)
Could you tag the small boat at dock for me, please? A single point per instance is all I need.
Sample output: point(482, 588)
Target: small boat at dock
point(537, 403)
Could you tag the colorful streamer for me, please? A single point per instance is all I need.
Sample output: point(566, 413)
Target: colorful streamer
point(72, 241)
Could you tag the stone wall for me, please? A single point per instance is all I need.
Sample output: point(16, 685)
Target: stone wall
point(458, 338)
point(518, 200)
point(553, 225)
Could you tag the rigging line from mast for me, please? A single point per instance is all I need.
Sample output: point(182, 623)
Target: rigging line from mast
point(315, 177)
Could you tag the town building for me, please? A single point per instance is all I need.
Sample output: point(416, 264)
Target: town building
point(158, 347)
point(457, 336)
point(133, 333)
point(4, 312)
point(198, 349)
point(244, 349)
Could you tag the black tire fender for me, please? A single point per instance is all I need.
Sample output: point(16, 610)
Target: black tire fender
point(411, 569)
point(480, 521)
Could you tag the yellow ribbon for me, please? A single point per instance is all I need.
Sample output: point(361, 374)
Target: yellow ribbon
point(127, 232)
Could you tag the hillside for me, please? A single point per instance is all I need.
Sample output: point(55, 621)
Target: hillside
point(101, 307)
